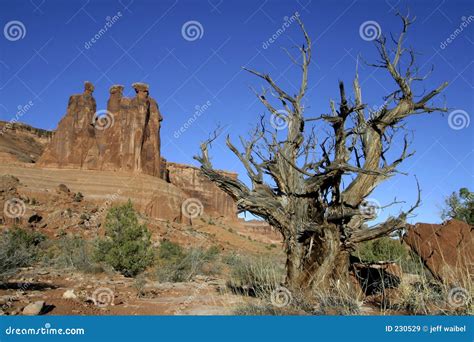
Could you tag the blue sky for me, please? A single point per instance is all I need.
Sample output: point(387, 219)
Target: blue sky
point(49, 61)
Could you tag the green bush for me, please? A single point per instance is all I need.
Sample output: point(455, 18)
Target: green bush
point(127, 244)
point(383, 249)
point(176, 264)
point(388, 249)
point(18, 248)
point(78, 197)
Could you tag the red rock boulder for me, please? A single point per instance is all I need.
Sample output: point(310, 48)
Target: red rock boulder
point(446, 249)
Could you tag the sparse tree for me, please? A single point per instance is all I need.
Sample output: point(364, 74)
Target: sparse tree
point(312, 188)
point(460, 206)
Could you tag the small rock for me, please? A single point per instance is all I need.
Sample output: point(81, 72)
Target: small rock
point(69, 294)
point(33, 309)
point(35, 218)
point(63, 188)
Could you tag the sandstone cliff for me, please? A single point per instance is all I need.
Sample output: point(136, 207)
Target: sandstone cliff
point(215, 202)
point(125, 137)
point(20, 143)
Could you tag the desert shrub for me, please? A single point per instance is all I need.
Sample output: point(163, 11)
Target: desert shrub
point(78, 197)
point(176, 264)
point(18, 248)
point(71, 252)
point(388, 249)
point(127, 243)
point(383, 249)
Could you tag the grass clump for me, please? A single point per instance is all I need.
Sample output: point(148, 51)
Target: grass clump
point(177, 264)
point(255, 276)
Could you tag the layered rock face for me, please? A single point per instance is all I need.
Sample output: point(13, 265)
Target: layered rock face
point(73, 144)
point(446, 249)
point(125, 137)
point(215, 202)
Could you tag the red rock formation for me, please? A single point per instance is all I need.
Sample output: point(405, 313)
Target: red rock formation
point(73, 144)
point(215, 202)
point(124, 137)
point(446, 249)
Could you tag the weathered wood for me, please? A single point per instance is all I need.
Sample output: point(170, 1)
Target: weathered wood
point(297, 181)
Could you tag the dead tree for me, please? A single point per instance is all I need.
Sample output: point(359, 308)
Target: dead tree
point(313, 189)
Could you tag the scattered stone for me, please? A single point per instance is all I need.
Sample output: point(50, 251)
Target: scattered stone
point(33, 309)
point(69, 294)
point(63, 188)
point(35, 218)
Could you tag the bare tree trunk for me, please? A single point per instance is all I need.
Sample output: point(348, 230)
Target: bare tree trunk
point(319, 264)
